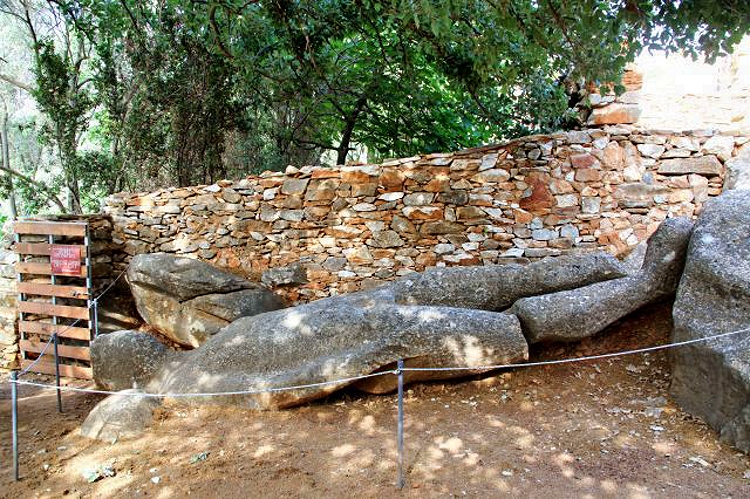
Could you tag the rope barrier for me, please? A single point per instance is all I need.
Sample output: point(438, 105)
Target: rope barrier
point(39, 357)
point(395, 372)
point(209, 394)
point(581, 359)
point(112, 283)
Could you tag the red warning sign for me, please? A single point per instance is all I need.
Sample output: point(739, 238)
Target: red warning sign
point(65, 259)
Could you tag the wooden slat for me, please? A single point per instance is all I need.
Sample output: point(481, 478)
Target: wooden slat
point(65, 370)
point(31, 307)
point(42, 269)
point(42, 249)
point(50, 228)
point(33, 288)
point(47, 329)
point(67, 351)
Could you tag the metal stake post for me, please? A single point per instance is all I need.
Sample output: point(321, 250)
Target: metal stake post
point(400, 437)
point(55, 339)
point(93, 312)
point(14, 424)
point(57, 373)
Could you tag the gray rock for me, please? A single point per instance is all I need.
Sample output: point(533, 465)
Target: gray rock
point(580, 313)
point(294, 186)
point(720, 145)
point(182, 278)
point(497, 287)
point(712, 379)
point(385, 239)
point(418, 198)
point(457, 197)
point(706, 165)
point(335, 338)
point(125, 359)
point(120, 416)
point(188, 300)
point(280, 276)
point(634, 260)
point(738, 170)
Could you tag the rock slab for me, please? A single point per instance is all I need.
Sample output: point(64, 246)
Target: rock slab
point(126, 359)
point(579, 313)
point(188, 300)
point(117, 417)
point(738, 170)
point(335, 338)
point(497, 287)
point(712, 379)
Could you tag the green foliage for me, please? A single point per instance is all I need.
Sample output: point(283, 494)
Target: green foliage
point(67, 107)
point(172, 92)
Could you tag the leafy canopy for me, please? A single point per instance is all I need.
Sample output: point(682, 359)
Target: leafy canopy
point(191, 91)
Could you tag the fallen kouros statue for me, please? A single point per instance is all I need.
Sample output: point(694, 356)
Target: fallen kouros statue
point(325, 341)
point(188, 301)
point(335, 338)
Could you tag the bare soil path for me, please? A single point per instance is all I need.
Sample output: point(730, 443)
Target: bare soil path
point(591, 429)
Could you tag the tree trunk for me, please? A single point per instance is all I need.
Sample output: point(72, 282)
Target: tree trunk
point(346, 138)
point(6, 164)
point(74, 196)
point(350, 123)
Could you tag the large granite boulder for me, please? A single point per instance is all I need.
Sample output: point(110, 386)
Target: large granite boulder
point(579, 313)
point(126, 359)
point(497, 287)
point(336, 338)
point(120, 416)
point(712, 379)
point(188, 300)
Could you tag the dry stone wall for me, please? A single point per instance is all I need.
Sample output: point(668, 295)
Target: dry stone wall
point(317, 231)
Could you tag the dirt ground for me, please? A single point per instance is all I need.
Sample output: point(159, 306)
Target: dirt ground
point(591, 429)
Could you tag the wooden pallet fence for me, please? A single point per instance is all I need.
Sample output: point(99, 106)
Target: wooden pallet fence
point(54, 286)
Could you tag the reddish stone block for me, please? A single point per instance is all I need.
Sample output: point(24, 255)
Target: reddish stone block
point(583, 161)
point(588, 175)
point(540, 199)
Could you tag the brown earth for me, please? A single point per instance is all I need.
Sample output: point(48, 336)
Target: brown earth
point(592, 429)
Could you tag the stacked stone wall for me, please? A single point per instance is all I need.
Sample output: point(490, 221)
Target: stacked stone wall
point(336, 230)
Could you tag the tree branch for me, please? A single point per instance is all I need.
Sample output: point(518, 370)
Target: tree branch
point(217, 33)
point(43, 188)
point(16, 83)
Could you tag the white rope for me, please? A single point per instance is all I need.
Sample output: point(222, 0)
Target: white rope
point(39, 357)
point(382, 373)
point(111, 284)
point(580, 359)
point(206, 394)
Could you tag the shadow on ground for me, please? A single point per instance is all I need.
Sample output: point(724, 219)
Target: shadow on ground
point(593, 429)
